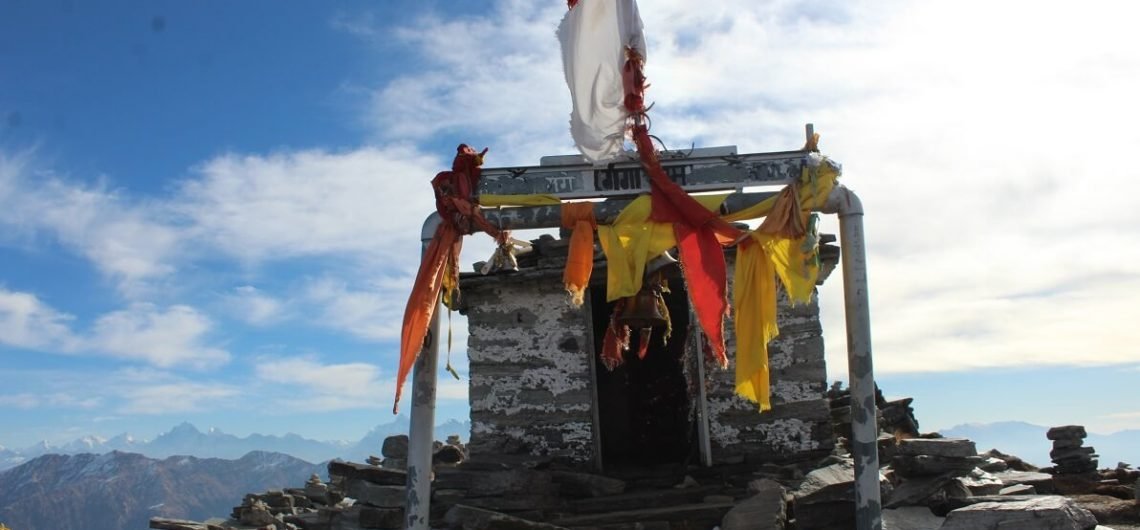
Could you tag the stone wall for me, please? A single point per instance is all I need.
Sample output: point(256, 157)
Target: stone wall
point(530, 368)
point(799, 425)
point(531, 387)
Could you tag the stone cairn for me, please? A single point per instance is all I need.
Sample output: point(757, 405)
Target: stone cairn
point(929, 470)
point(1068, 455)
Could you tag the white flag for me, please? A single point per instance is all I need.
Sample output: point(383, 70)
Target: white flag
point(594, 36)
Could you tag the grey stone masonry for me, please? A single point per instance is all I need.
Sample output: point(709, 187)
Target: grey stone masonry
point(530, 354)
point(532, 387)
point(799, 425)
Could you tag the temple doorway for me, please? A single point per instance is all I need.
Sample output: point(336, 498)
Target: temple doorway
point(644, 404)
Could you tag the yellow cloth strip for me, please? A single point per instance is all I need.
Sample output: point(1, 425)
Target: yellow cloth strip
point(812, 194)
point(518, 200)
point(632, 240)
point(754, 297)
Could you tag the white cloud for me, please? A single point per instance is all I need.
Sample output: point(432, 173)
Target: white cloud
point(252, 306)
point(367, 203)
point(52, 400)
point(507, 93)
point(127, 240)
point(990, 148)
point(374, 313)
point(174, 397)
point(26, 322)
point(316, 386)
point(161, 337)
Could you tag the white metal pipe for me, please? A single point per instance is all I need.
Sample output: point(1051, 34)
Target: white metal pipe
point(417, 503)
point(864, 418)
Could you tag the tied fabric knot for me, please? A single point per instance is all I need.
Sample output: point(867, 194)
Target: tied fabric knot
point(439, 269)
point(579, 217)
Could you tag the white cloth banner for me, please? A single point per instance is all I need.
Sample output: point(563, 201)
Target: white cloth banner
point(594, 36)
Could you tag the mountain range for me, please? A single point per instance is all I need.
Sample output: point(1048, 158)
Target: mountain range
point(186, 439)
point(122, 491)
point(1028, 441)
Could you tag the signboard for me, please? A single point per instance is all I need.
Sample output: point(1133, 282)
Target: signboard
point(707, 169)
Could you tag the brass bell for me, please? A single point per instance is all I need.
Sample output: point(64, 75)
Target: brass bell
point(642, 310)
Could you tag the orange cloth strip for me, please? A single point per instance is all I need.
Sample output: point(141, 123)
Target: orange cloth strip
point(439, 268)
point(443, 249)
point(579, 217)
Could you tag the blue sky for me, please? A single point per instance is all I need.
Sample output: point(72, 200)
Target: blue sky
point(209, 211)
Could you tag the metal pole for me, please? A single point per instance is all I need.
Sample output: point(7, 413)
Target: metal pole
point(417, 503)
point(864, 420)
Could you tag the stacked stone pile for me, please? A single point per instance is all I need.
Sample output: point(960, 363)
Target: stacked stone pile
point(896, 418)
point(1068, 455)
point(924, 457)
point(928, 470)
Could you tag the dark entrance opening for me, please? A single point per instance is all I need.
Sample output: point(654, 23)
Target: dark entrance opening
point(643, 405)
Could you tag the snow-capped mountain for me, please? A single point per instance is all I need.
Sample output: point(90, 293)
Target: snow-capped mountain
point(122, 491)
point(186, 439)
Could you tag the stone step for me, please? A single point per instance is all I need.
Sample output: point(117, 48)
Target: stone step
point(636, 500)
point(704, 515)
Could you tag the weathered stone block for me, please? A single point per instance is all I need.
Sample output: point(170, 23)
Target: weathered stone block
point(1018, 489)
point(375, 475)
point(1071, 453)
point(395, 446)
point(834, 483)
point(381, 518)
point(914, 491)
point(766, 509)
point(911, 518)
point(1035, 513)
point(471, 518)
point(924, 465)
point(1042, 482)
point(162, 523)
point(1067, 432)
point(981, 483)
point(374, 494)
point(587, 485)
point(945, 447)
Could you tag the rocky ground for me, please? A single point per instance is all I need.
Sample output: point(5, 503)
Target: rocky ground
point(926, 483)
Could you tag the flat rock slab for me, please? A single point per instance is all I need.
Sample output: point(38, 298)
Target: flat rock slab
point(910, 518)
point(1066, 432)
point(587, 485)
point(937, 447)
point(833, 483)
point(395, 446)
point(1018, 489)
point(1047, 512)
point(471, 518)
point(161, 523)
point(981, 483)
point(376, 495)
point(914, 491)
point(766, 509)
point(1042, 482)
point(1110, 510)
point(699, 514)
point(373, 474)
point(924, 465)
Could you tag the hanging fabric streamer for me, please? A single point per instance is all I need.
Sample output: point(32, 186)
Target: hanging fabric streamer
point(579, 217)
point(594, 36)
